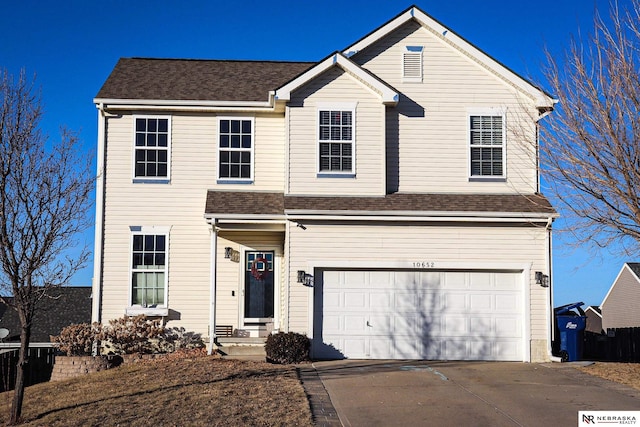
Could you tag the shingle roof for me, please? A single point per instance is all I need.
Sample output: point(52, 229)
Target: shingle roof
point(257, 203)
point(635, 267)
point(65, 306)
point(198, 80)
point(244, 202)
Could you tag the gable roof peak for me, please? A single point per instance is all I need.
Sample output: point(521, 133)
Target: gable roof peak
point(542, 100)
point(387, 93)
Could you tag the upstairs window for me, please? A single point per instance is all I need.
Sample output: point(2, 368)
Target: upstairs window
point(487, 142)
point(235, 149)
point(412, 64)
point(336, 141)
point(152, 144)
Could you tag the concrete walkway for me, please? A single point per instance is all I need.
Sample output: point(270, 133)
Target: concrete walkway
point(424, 393)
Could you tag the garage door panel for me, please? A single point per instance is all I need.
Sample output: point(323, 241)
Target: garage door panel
point(482, 326)
point(355, 300)
point(508, 327)
point(404, 301)
point(462, 315)
point(455, 301)
point(430, 301)
point(455, 326)
point(455, 280)
point(430, 280)
point(481, 302)
point(480, 280)
point(508, 282)
point(380, 301)
point(508, 302)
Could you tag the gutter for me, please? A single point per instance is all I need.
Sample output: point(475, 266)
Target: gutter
point(550, 294)
point(186, 105)
point(96, 285)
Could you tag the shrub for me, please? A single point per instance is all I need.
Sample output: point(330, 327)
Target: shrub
point(129, 335)
point(77, 339)
point(287, 347)
point(174, 339)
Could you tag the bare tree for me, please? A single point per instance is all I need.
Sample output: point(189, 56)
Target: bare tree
point(591, 146)
point(45, 196)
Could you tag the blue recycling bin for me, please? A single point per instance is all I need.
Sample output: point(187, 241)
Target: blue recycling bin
point(570, 329)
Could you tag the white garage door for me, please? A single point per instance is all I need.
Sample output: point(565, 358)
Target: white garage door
point(436, 315)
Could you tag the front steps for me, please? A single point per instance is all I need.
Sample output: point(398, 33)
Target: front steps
point(250, 348)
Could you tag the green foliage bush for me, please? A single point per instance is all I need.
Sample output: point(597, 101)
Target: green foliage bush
point(287, 347)
point(77, 339)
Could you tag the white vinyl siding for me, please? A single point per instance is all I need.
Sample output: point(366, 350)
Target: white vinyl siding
point(230, 276)
point(428, 132)
point(336, 88)
point(481, 247)
point(620, 306)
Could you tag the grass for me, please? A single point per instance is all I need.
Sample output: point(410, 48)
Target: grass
point(624, 373)
point(194, 391)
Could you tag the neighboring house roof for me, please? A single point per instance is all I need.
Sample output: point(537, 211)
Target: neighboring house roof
point(198, 80)
point(542, 99)
point(595, 309)
point(261, 203)
point(64, 306)
point(634, 267)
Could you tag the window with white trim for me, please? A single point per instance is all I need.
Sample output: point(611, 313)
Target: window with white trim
point(412, 64)
point(152, 145)
point(235, 149)
point(149, 268)
point(487, 145)
point(336, 141)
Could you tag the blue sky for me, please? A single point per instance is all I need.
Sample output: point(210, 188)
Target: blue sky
point(72, 46)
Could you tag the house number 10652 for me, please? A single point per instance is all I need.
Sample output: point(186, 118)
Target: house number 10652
point(424, 264)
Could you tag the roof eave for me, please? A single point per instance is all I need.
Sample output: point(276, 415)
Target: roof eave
point(128, 104)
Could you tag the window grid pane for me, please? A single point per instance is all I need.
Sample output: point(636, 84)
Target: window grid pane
point(335, 126)
point(148, 269)
point(486, 139)
point(152, 145)
point(235, 143)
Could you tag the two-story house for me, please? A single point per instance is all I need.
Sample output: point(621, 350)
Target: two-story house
point(384, 201)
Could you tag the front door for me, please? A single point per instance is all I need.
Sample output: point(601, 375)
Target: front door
point(258, 286)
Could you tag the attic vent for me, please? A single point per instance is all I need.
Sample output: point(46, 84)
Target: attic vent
point(412, 64)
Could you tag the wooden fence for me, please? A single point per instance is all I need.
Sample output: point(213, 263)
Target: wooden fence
point(617, 345)
point(38, 369)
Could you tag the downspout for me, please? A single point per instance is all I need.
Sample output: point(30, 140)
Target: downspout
point(96, 286)
point(550, 293)
point(212, 291)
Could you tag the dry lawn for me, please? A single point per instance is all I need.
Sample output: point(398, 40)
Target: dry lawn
point(194, 391)
point(624, 373)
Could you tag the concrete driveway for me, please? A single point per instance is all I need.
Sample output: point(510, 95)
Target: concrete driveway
point(426, 393)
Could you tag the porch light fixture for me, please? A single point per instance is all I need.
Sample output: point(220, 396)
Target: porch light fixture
point(228, 252)
point(302, 276)
point(542, 279)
